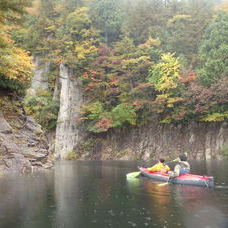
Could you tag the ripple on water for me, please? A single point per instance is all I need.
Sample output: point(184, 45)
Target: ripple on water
point(154, 189)
point(148, 187)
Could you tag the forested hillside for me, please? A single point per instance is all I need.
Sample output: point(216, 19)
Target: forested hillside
point(15, 66)
point(138, 60)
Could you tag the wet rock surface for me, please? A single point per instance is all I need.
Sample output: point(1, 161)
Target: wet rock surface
point(23, 145)
point(202, 141)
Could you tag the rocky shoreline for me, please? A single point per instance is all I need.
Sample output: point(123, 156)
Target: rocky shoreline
point(23, 145)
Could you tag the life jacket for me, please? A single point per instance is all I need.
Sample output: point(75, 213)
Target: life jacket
point(184, 168)
point(159, 167)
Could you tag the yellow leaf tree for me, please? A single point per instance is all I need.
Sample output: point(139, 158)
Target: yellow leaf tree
point(15, 64)
point(165, 77)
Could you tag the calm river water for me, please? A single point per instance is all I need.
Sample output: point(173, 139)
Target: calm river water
point(96, 194)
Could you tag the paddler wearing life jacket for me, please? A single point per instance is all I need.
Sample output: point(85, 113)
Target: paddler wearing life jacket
point(183, 167)
point(160, 166)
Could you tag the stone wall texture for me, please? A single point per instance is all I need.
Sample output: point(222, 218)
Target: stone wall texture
point(202, 141)
point(23, 145)
point(68, 132)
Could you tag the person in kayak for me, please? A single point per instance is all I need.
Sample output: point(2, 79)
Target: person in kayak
point(160, 166)
point(183, 167)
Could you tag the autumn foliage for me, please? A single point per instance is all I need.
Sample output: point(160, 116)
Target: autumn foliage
point(163, 61)
point(15, 64)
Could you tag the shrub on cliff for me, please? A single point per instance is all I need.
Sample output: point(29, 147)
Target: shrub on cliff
point(42, 107)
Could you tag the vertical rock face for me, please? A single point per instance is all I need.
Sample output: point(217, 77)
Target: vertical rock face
point(23, 147)
point(202, 141)
point(39, 80)
point(56, 92)
point(67, 131)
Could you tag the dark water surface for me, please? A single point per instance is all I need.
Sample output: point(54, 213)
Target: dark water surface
point(96, 194)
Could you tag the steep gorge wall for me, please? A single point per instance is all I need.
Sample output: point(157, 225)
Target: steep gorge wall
point(201, 140)
point(39, 80)
point(23, 145)
point(68, 92)
point(68, 132)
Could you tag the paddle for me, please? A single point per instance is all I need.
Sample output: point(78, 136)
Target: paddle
point(133, 175)
point(163, 184)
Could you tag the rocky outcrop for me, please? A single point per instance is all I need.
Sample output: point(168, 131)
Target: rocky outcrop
point(202, 141)
point(5, 128)
point(68, 132)
point(39, 80)
point(23, 148)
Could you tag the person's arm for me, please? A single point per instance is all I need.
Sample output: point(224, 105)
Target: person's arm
point(189, 167)
point(177, 169)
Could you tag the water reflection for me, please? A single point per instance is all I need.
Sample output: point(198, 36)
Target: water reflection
point(25, 201)
point(159, 199)
point(96, 194)
point(199, 206)
point(67, 196)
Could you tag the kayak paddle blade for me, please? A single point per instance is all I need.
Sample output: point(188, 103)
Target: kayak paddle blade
point(133, 175)
point(163, 184)
point(176, 160)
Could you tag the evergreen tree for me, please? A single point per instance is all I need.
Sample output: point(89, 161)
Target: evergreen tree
point(186, 27)
point(107, 17)
point(214, 51)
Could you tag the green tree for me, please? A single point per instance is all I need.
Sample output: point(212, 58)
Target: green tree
point(107, 17)
point(42, 108)
point(185, 28)
point(79, 39)
point(144, 18)
point(12, 9)
point(43, 25)
point(214, 51)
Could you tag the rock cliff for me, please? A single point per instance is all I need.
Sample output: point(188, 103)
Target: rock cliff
point(68, 132)
point(202, 141)
point(23, 146)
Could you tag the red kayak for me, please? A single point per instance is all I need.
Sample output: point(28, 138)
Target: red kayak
point(187, 179)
